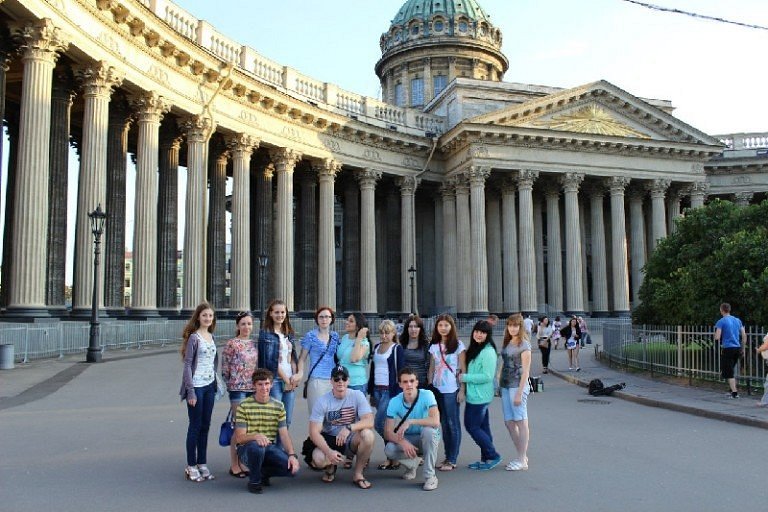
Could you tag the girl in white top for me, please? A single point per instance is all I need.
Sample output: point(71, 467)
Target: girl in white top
point(445, 366)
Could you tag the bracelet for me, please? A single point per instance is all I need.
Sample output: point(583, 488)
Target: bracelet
point(293, 455)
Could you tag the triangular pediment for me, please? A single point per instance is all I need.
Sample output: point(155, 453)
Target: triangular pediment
point(599, 108)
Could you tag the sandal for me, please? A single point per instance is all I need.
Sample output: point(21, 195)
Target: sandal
point(191, 473)
point(348, 463)
point(447, 466)
point(205, 472)
point(362, 483)
point(516, 465)
point(239, 474)
point(389, 465)
point(329, 473)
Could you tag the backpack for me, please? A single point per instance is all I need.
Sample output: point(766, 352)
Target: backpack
point(595, 387)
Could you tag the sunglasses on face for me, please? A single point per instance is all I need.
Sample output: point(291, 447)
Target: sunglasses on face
point(339, 379)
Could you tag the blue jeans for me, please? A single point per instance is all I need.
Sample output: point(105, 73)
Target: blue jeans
point(450, 424)
point(287, 397)
point(363, 388)
point(476, 421)
point(381, 399)
point(263, 461)
point(200, 424)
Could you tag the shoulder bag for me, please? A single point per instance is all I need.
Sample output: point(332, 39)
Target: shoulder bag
point(408, 412)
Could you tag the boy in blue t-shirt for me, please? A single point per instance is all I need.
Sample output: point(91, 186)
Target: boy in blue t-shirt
point(729, 331)
point(409, 435)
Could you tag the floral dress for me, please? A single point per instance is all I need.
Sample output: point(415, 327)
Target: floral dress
point(239, 361)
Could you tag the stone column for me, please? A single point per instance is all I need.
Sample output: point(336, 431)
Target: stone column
point(463, 242)
point(352, 245)
point(637, 221)
point(240, 148)
point(262, 229)
point(619, 265)
point(306, 241)
point(428, 88)
point(98, 79)
point(450, 286)
point(408, 186)
point(285, 161)
point(479, 256)
point(167, 215)
point(743, 198)
point(6, 49)
point(150, 108)
point(198, 131)
point(40, 43)
point(511, 274)
point(61, 105)
point(392, 279)
point(216, 255)
point(405, 80)
point(368, 285)
point(554, 250)
point(698, 193)
point(495, 268)
point(658, 189)
point(673, 209)
point(573, 272)
point(599, 265)
point(585, 235)
point(12, 123)
point(528, 302)
point(120, 119)
point(326, 261)
point(538, 244)
point(439, 264)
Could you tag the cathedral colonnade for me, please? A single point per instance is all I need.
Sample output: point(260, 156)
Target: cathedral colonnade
point(324, 208)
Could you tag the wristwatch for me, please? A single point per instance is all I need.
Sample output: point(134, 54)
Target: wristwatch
point(293, 455)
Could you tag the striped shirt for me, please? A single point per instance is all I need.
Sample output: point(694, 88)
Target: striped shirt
point(259, 418)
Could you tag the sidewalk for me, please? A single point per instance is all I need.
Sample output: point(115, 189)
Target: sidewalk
point(644, 390)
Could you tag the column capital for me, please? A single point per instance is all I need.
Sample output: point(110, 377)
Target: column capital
point(552, 193)
point(150, 106)
point(408, 184)
point(595, 191)
point(285, 159)
point(460, 183)
point(507, 185)
point(327, 169)
point(526, 177)
point(698, 188)
point(477, 174)
point(571, 181)
point(368, 178)
point(638, 193)
point(40, 39)
point(743, 198)
point(617, 184)
point(198, 128)
point(658, 188)
point(448, 189)
point(242, 143)
point(99, 78)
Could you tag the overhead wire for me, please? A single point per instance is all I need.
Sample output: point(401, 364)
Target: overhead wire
point(695, 15)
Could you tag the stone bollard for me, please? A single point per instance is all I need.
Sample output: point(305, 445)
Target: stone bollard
point(6, 356)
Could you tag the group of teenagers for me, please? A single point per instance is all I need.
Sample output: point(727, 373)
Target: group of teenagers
point(408, 389)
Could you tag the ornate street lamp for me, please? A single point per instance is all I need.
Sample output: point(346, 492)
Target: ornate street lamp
point(98, 217)
point(263, 261)
point(412, 276)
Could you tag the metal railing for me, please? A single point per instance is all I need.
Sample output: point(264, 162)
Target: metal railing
point(680, 351)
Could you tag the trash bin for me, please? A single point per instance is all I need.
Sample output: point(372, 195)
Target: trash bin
point(6, 356)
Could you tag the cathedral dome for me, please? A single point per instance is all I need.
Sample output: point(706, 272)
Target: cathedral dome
point(455, 36)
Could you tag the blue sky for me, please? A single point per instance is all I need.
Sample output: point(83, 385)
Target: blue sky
point(712, 72)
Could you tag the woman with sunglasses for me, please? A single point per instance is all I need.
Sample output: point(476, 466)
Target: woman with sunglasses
point(277, 354)
point(317, 350)
point(239, 360)
point(382, 384)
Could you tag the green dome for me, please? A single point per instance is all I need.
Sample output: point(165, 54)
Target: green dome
point(426, 9)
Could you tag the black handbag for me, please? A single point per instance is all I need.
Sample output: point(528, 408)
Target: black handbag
point(226, 431)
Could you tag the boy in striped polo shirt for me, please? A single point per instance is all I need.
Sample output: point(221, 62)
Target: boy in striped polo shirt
point(259, 420)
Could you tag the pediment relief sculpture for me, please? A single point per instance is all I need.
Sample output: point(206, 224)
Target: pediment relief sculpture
point(591, 118)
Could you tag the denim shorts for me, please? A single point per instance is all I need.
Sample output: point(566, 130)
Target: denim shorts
point(514, 412)
point(235, 397)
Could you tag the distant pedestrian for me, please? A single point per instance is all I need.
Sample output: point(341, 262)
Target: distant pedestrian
point(729, 331)
point(528, 325)
point(515, 370)
point(556, 326)
point(544, 337)
point(571, 333)
point(493, 320)
point(585, 337)
point(760, 350)
point(239, 360)
point(198, 388)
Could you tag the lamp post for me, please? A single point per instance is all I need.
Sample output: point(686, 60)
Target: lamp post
point(98, 217)
point(263, 260)
point(412, 275)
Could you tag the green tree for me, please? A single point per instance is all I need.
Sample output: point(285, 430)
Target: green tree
point(719, 253)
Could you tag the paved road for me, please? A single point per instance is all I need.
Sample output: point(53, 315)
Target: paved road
point(111, 437)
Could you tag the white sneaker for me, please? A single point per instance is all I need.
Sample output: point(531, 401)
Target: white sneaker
point(410, 473)
point(430, 484)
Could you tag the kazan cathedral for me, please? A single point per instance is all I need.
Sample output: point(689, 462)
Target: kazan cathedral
point(455, 191)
